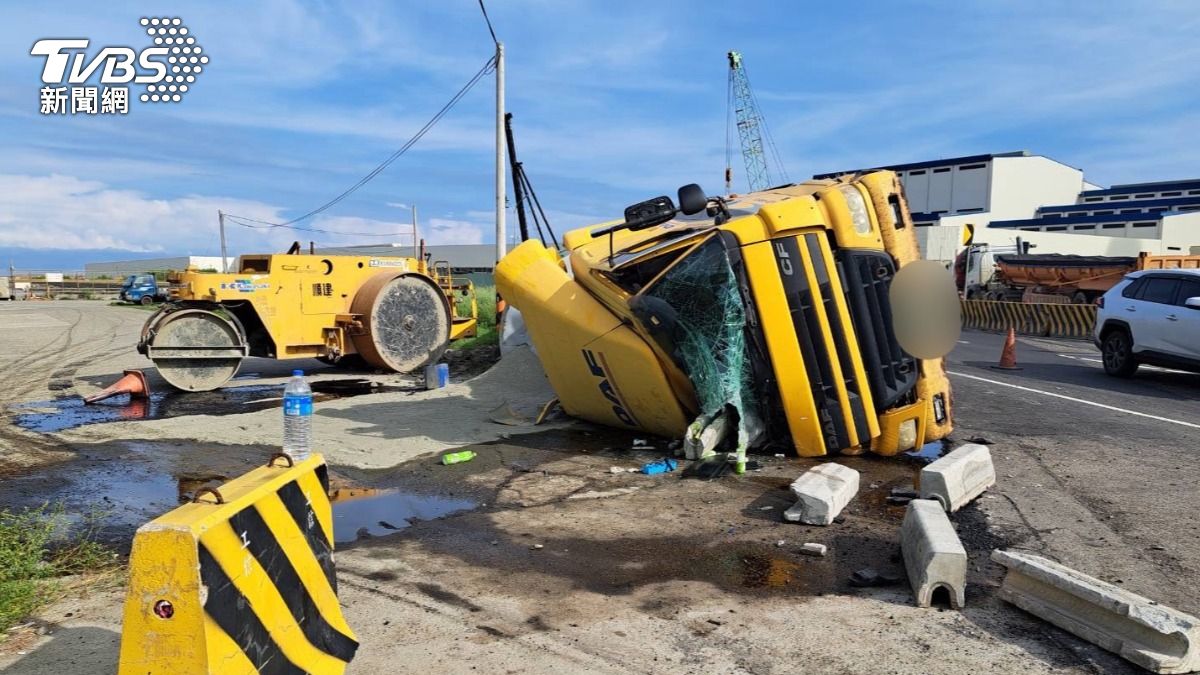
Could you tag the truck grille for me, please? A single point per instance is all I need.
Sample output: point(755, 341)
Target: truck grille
point(867, 277)
point(792, 257)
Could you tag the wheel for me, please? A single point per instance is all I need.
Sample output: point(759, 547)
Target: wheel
point(146, 300)
point(1117, 353)
point(406, 322)
point(195, 349)
point(1080, 298)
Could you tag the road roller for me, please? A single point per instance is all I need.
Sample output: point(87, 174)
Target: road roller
point(390, 313)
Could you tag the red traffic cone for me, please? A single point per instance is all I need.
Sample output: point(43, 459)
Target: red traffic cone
point(1008, 357)
point(134, 384)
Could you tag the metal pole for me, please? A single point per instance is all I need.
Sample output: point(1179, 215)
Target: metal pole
point(515, 167)
point(224, 257)
point(416, 253)
point(500, 152)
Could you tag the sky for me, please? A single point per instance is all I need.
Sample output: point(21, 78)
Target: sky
point(613, 101)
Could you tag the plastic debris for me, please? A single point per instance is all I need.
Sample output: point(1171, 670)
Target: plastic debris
point(661, 466)
point(458, 457)
point(868, 577)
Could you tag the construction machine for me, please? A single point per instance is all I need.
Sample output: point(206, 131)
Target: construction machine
point(392, 313)
point(762, 319)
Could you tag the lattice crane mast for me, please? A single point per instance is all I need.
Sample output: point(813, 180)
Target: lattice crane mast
point(752, 129)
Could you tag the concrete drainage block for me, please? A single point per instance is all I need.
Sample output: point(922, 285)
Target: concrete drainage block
point(823, 491)
point(933, 556)
point(1157, 638)
point(959, 477)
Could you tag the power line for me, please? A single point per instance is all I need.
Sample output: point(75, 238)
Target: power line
point(249, 223)
point(489, 22)
point(487, 67)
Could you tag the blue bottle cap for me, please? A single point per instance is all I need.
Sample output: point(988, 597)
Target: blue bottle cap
point(297, 373)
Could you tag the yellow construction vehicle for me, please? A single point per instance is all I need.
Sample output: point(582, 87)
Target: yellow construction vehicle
point(767, 315)
point(393, 313)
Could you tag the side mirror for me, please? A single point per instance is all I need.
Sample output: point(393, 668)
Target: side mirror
point(649, 213)
point(692, 199)
point(1192, 303)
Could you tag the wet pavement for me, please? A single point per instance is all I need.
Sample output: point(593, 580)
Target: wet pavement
point(60, 414)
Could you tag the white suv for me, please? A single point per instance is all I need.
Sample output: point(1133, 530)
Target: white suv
point(1152, 316)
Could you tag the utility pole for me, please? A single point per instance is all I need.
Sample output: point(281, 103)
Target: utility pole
point(500, 152)
point(416, 253)
point(224, 256)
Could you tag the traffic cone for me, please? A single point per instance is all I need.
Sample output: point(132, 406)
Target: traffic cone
point(1008, 357)
point(134, 384)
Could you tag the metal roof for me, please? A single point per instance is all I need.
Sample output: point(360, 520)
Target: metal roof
point(460, 256)
point(1079, 220)
point(1130, 188)
point(950, 161)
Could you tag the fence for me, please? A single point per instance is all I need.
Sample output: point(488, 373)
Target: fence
point(35, 286)
point(1045, 319)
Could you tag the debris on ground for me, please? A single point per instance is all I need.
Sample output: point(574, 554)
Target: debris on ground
point(868, 577)
point(1153, 636)
point(624, 469)
point(458, 457)
point(663, 465)
point(810, 548)
point(822, 492)
point(959, 477)
point(934, 558)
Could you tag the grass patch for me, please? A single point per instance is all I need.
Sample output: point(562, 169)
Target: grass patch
point(485, 331)
point(36, 552)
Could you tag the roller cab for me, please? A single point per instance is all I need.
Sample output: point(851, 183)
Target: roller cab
point(770, 310)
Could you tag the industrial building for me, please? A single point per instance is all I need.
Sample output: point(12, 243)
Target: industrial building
point(1045, 202)
point(122, 268)
point(462, 257)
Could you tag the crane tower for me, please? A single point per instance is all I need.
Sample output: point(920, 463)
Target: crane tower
point(752, 130)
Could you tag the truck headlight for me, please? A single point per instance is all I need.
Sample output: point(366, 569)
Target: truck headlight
point(907, 436)
point(858, 209)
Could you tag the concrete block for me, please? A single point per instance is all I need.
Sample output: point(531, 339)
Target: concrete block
point(823, 491)
point(812, 549)
point(933, 556)
point(959, 477)
point(1157, 638)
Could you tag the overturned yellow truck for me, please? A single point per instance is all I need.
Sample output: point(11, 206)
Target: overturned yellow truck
point(766, 316)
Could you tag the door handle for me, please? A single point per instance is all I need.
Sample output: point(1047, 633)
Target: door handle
point(1130, 309)
point(1172, 317)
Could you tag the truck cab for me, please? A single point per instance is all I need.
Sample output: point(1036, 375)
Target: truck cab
point(141, 289)
point(771, 309)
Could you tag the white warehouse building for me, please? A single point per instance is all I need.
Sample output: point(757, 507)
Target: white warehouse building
point(122, 268)
point(1045, 202)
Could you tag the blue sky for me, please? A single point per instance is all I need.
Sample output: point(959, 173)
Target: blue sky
point(614, 102)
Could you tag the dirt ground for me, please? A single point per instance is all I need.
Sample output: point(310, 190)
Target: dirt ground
point(536, 558)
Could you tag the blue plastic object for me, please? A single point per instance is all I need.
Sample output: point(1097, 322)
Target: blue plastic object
point(661, 466)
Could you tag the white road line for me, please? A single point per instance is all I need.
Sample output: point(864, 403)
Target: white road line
point(1078, 400)
point(1144, 367)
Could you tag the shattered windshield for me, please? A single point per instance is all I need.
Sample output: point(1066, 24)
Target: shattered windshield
point(696, 313)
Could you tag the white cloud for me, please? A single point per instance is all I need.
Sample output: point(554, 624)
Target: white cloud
point(448, 231)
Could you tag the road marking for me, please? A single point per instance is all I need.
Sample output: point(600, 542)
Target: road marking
point(1078, 400)
point(1100, 361)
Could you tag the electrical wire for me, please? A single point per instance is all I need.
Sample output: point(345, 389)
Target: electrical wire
point(489, 22)
point(487, 68)
point(237, 220)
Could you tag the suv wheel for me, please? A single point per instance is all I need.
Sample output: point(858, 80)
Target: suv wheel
point(1117, 351)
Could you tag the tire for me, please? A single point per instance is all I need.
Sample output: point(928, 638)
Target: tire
point(1080, 298)
point(1117, 354)
point(146, 300)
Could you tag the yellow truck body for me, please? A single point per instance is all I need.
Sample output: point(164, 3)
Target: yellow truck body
point(814, 349)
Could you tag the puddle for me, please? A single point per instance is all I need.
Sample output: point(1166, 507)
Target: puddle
point(60, 414)
point(930, 451)
point(362, 513)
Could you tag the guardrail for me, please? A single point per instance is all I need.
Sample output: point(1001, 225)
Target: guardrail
point(1044, 319)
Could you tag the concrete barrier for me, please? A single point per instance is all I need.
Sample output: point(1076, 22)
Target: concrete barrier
point(1157, 638)
point(240, 581)
point(1045, 319)
point(823, 491)
point(959, 477)
point(933, 556)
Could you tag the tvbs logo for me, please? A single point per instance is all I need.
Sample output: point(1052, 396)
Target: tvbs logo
point(168, 69)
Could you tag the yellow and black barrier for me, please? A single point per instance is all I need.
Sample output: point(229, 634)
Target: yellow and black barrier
point(1045, 319)
point(241, 580)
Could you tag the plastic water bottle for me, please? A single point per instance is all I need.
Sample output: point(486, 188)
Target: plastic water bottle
point(297, 417)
